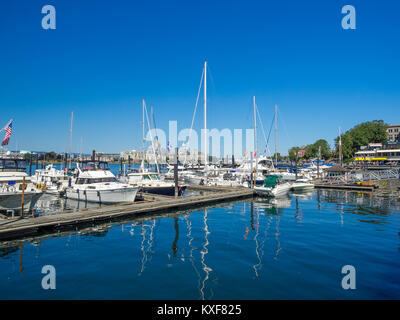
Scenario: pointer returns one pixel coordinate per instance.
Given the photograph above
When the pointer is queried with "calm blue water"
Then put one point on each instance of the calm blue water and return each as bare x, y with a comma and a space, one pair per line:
293, 248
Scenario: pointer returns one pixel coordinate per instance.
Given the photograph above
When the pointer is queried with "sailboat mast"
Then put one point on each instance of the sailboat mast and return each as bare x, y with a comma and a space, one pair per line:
143, 156
205, 116
255, 132
70, 139
276, 134
340, 147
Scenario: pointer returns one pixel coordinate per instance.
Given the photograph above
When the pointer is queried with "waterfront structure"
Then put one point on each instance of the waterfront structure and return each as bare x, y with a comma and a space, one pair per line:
393, 131
336, 172
378, 152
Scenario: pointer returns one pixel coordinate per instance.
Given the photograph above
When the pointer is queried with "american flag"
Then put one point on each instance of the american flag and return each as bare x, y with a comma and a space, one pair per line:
7, 129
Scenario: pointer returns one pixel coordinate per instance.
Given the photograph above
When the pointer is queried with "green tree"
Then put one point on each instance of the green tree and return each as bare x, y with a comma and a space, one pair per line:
292, 153
361, 135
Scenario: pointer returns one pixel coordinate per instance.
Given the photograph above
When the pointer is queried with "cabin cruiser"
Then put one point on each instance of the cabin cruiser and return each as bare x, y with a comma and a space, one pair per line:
95, 182
12, 174
274, 186
151, 182
50, 180
302, 184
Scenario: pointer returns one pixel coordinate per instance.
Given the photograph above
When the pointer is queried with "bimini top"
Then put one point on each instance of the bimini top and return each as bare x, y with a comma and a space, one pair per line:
271, 181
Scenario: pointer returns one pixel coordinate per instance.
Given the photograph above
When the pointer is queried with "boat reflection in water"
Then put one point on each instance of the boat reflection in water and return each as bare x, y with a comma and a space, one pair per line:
254, 249
53, 203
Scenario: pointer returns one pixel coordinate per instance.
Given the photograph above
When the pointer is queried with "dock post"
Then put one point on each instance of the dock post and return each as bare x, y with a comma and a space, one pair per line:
23, 196
176, 171
30, 164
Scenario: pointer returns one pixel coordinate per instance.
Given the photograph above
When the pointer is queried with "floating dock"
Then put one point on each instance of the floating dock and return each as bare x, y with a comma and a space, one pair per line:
13, 228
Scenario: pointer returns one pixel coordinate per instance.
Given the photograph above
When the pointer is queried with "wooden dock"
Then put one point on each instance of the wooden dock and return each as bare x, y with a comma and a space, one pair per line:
48, 222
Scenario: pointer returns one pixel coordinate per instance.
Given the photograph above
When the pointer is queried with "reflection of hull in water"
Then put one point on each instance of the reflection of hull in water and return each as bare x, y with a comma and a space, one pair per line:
279, 202
305, 193
71, 204
49, 202
12, 201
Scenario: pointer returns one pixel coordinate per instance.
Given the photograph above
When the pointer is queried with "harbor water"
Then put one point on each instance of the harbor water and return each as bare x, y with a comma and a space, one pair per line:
290, 248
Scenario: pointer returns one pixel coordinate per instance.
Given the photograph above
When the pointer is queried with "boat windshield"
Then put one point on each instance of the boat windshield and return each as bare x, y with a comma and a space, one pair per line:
94, 180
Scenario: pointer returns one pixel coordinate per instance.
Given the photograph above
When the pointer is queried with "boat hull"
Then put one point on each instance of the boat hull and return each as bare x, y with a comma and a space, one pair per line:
103, 196
12, 201
277, 191
164, 191
302, 186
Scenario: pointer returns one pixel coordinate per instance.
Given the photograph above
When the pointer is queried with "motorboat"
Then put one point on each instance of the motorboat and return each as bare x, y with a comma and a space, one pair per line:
302, 185
50, 180
273, 186
15, 184
95, 182
151, 182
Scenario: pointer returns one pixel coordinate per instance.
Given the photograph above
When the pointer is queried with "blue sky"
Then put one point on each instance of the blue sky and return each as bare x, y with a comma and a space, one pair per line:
105, 56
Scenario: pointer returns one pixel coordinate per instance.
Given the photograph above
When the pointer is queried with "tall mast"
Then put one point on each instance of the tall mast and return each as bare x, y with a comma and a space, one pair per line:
276, 134
205, 117
340, 147
255, 131
143, 156
70, 139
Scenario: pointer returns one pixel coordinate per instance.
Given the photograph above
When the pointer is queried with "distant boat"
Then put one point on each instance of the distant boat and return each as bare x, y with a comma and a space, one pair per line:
302, 185
96, 183
50, 180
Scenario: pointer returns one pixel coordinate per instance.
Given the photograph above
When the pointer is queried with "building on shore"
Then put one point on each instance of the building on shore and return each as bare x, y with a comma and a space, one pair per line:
393, 131
378, 153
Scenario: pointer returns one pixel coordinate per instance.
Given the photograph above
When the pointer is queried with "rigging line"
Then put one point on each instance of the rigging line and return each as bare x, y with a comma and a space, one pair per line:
263, 131
284, 126
194, 114
270, 129
151, 137
155, 128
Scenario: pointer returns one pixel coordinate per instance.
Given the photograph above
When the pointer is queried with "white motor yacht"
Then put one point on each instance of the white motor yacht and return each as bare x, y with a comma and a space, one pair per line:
12, 174
96, 183
302, 185
150, 182
273, 186
50, 180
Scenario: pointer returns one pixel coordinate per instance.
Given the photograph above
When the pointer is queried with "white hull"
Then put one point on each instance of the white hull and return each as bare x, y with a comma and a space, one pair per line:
302, 186
127, 194
12, 201
277, 191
